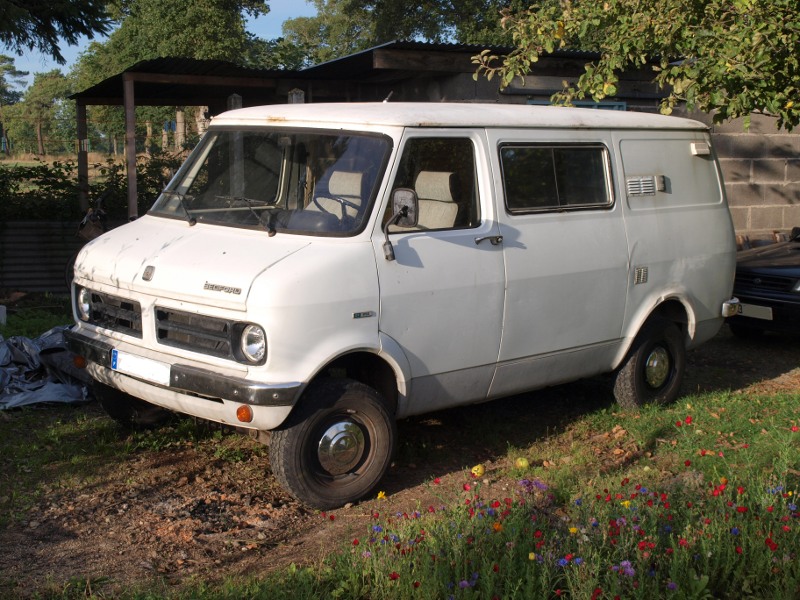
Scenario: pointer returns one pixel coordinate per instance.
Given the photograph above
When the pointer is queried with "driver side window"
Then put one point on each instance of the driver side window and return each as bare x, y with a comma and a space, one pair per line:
442, 173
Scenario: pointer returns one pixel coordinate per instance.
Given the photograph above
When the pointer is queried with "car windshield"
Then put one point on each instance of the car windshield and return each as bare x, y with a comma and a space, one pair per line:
310, 182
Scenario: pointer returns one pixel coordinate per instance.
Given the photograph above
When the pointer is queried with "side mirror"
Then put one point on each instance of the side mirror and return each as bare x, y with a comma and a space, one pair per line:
405, 204
405, 208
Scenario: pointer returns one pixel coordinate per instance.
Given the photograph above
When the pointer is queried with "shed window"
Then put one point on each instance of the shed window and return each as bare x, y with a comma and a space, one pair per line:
555, 177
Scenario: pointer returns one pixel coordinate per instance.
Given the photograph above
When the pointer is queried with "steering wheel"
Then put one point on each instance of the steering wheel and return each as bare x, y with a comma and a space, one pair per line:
342, 202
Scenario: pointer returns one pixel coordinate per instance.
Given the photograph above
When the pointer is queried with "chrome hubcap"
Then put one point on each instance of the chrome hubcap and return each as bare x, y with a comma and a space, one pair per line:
656, 369
341, 448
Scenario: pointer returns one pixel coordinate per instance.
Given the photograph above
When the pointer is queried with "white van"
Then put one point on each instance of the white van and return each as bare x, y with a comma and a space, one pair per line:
319, 271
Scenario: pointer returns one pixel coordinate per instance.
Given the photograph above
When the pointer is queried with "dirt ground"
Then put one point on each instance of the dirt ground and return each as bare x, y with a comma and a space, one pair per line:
179, 513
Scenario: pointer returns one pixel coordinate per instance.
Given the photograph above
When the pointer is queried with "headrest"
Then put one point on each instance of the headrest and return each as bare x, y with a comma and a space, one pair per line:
345, 183
436, 185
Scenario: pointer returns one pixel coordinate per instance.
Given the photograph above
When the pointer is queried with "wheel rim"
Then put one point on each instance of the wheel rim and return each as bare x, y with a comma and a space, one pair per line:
341, 447
657, 367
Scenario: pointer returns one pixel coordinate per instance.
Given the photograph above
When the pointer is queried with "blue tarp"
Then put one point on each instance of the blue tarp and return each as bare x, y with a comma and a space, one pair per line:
39, 370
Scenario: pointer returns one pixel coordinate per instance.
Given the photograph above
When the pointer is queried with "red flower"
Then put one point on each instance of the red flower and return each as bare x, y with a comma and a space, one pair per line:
597, 593
437, 481
467, 487
332, 517
795, 428
688, 420
496, 568
739, 550
416, 584
394, 575
770, 544
537, 534
688, 463
741, 509
355, 542
770, 508
678, 423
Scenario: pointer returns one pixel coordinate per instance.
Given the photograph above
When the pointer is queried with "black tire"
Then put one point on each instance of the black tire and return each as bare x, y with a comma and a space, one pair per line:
336, 445
128, 411
745, 332
653, 370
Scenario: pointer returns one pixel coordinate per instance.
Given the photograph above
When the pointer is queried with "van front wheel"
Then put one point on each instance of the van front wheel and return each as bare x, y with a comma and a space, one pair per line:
335, 446
653, 370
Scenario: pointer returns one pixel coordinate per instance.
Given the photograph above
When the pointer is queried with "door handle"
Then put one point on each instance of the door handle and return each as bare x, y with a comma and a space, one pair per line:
494, 239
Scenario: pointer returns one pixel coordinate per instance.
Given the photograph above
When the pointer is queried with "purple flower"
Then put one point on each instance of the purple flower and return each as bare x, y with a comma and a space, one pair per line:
672, 586
531, 486
735, 530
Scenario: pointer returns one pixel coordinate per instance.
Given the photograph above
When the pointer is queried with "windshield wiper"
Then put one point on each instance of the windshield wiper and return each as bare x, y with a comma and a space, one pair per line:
266, 225
182, 201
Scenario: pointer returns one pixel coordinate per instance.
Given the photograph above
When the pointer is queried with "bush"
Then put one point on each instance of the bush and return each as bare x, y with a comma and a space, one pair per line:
50, 191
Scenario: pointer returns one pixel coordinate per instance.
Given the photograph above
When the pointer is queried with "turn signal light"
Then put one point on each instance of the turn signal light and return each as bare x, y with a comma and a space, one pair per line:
79, 361
244, 413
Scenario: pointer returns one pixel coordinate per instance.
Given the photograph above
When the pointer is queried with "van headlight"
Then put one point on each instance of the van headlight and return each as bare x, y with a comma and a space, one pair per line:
253, 343
84, 302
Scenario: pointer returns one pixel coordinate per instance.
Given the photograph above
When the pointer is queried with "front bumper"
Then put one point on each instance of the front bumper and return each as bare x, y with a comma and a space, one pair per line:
186, 379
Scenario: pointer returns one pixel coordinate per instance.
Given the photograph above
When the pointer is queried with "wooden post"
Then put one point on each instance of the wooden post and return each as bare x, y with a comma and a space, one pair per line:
130, 145
83, 156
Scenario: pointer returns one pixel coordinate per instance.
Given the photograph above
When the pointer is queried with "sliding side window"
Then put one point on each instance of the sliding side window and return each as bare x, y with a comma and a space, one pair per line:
555, 177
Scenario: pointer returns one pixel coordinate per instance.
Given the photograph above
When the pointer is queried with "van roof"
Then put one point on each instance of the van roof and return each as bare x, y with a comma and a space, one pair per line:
449, 114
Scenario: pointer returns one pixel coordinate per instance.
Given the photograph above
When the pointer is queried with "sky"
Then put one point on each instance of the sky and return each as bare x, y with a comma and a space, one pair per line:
266, 27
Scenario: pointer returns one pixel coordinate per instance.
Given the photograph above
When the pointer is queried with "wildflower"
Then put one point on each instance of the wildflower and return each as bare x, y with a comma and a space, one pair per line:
394, 575
416, 584
563, 562
739, 550
332, 517
381, 495
688, 463
672, 586
366, 554
463, 584
467, 487
596, 593
578, 560
573, 530
531, 555
792, 507
771, 544
355, 542
735, 530
741, 509
437, 481
688, 420
626, 503
795, 428
497, 526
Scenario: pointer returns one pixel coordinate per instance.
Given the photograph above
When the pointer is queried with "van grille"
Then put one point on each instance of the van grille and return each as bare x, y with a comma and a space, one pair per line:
197, 333
116, 314
755, 281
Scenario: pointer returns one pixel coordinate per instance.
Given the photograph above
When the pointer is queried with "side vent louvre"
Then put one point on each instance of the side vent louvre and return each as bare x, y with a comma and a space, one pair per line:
645, 185
640, 275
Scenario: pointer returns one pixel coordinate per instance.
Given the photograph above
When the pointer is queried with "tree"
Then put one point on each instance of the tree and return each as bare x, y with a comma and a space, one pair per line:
41, 103
727, 57
40, 23
342, 27
9, 76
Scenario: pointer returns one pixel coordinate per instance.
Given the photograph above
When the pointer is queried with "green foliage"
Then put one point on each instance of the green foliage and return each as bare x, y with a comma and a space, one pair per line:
729, 58
46, 25
50, 191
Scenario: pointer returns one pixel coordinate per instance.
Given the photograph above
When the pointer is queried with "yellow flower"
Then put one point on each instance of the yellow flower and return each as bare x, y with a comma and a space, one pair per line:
497, 526
573, 530
626, 503
531, 555
381, 495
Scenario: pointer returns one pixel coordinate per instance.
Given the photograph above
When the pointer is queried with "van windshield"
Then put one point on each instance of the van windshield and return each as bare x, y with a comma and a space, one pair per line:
311, 182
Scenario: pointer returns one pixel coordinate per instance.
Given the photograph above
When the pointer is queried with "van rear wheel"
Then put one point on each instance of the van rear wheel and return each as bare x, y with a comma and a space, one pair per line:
653, 370
336, 445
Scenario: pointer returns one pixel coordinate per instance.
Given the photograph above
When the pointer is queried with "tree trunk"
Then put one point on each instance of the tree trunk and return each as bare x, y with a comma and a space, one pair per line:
180, 130
39, 138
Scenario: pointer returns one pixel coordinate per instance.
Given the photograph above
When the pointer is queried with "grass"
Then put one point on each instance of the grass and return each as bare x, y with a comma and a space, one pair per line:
696, 500
32, 316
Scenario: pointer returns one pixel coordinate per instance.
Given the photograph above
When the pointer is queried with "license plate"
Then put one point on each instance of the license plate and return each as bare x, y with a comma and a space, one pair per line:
138, 366
755, 312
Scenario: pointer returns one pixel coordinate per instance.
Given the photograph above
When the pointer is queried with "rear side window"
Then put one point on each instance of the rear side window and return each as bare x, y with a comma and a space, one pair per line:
540, 177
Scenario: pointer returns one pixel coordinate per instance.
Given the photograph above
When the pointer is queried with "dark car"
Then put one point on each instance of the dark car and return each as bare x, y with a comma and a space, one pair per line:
768, 286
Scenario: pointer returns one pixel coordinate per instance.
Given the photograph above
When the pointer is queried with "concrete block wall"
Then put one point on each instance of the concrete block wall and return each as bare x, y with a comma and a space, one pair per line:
761, 167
